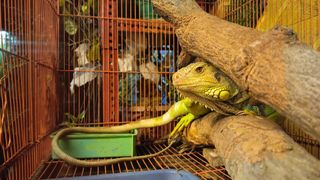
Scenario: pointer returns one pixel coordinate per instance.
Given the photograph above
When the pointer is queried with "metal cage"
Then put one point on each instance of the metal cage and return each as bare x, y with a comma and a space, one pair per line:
104, 63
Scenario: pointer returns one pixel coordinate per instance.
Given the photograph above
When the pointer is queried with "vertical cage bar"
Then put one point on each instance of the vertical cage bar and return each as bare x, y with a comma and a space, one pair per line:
109, 63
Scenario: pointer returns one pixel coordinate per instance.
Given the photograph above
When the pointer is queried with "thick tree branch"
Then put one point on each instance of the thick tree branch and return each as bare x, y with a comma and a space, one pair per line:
273, 67
254, 148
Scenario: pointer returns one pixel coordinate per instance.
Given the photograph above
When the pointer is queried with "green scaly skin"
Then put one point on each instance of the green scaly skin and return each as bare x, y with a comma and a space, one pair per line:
207, 85
204, 83
180, 108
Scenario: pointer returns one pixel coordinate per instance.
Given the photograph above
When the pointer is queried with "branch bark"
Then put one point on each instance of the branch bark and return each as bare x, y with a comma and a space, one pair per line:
273, 67
254, 148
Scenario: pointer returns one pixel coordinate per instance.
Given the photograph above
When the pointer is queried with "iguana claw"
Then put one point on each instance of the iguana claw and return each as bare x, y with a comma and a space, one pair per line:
184, 122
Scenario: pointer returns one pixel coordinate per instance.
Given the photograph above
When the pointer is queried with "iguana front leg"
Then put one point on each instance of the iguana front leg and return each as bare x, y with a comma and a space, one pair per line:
183, 122
194, 111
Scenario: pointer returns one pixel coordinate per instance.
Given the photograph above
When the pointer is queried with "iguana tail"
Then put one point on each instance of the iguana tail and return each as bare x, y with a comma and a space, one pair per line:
178, 109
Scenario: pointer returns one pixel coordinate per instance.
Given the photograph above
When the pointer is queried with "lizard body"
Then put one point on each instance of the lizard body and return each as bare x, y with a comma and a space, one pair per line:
205, 87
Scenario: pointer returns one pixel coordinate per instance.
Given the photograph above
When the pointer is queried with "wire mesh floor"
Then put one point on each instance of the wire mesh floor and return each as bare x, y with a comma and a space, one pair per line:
193, 162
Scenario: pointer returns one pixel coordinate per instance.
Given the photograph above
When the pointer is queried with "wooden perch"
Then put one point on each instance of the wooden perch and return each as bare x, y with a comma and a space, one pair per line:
254, 148
273, 67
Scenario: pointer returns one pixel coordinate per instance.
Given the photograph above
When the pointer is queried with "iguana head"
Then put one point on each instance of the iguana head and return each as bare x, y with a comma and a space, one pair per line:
203, 80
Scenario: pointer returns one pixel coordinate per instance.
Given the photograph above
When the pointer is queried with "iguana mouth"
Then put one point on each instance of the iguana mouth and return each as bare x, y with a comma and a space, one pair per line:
218, 106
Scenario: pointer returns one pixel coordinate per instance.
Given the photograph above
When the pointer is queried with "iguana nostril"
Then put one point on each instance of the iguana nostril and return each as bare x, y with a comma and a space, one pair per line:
175, 76
224, 95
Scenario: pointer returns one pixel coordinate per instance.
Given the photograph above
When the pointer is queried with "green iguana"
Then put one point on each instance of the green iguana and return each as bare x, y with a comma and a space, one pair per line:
208, 86
199, 82
185, 107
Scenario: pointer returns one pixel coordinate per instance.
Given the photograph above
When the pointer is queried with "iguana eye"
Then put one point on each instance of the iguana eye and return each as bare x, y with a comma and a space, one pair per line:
199, 69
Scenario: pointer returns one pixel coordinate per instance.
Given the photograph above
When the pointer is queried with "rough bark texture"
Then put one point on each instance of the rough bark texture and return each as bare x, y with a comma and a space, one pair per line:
273, 67
212, 157
254, 148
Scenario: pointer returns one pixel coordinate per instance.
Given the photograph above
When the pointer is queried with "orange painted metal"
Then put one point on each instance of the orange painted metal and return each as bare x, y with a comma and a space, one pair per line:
28, 90
109, 61
35, 93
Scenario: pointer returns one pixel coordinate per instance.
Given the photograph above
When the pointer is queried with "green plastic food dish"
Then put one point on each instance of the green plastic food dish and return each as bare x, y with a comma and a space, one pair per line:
80, 145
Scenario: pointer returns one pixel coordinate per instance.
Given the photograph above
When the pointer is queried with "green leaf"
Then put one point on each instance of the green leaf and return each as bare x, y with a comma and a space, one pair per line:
94, 52
85, 9
81, 115
62, 3
70, 26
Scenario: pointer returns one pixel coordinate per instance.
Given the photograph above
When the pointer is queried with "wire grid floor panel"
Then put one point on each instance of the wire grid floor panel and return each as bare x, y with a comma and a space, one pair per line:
192, 162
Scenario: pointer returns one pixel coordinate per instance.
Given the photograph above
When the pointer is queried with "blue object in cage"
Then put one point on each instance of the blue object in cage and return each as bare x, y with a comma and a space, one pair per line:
163, 83
168, 174
165, 54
